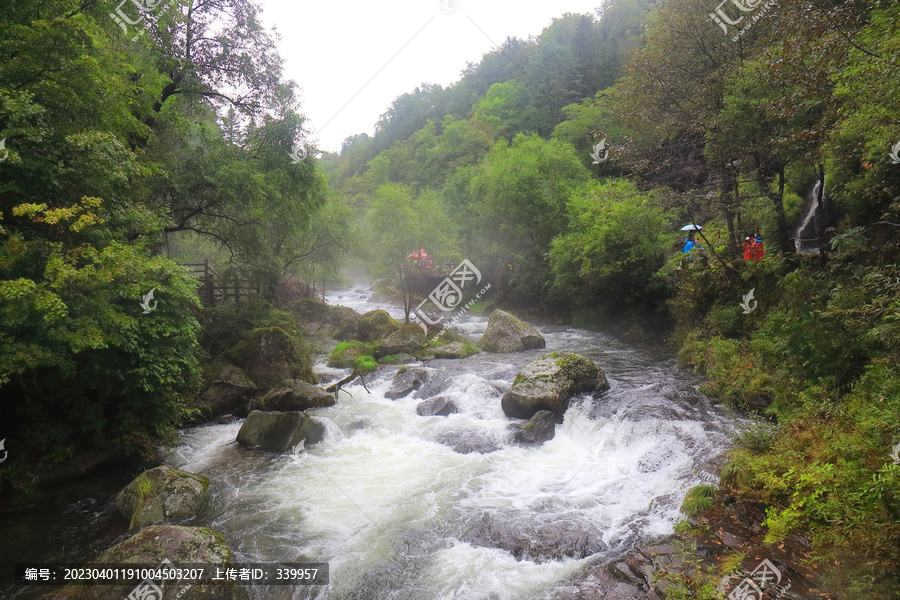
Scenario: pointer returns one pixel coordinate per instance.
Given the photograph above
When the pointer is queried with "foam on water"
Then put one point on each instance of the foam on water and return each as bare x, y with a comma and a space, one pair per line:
392, 507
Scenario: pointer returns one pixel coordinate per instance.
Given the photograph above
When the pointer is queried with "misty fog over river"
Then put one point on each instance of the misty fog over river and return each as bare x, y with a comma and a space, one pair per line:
399, 513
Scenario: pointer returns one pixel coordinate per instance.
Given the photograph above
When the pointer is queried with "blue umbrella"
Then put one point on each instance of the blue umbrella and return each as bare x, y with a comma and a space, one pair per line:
691, 227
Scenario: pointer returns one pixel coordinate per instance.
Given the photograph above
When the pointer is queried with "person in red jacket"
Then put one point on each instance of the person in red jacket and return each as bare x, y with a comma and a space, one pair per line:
757, 251
748, 248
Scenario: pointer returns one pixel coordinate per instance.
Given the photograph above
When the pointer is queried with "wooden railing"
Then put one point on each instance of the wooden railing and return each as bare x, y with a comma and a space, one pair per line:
215, 289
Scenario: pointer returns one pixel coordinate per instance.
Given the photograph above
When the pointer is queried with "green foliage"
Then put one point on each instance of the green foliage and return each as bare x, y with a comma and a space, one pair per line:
399, 223
612, 248
698, 499
365, 364
78, 355
347, 354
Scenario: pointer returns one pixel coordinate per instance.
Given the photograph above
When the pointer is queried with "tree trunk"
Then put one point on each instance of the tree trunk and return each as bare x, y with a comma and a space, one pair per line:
784, 241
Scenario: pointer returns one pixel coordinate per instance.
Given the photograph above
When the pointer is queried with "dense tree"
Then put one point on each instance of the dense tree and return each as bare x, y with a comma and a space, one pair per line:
400, 223
521, 193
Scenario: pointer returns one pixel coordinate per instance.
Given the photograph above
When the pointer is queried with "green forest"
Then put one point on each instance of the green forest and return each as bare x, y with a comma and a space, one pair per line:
563, 166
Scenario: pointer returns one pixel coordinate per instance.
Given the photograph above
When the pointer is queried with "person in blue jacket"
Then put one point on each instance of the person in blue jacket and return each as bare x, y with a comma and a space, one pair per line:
689, 244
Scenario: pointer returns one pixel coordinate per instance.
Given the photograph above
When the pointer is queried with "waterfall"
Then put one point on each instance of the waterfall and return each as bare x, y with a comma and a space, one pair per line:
806, 237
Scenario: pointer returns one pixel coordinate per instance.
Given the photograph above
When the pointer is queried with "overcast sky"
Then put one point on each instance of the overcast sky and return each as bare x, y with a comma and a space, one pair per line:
332, 49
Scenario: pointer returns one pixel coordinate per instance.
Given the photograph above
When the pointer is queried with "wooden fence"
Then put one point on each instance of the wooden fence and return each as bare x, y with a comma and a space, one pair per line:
216, 289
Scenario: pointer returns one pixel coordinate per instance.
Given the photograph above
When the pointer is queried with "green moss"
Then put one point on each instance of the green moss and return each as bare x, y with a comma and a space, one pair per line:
365, 364
469, 349
346, 354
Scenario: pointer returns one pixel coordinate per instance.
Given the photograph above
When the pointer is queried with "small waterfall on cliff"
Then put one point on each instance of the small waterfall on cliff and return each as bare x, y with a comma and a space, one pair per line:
806, 237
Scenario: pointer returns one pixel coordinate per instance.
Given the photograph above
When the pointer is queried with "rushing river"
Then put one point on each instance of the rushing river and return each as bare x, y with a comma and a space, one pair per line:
399, 514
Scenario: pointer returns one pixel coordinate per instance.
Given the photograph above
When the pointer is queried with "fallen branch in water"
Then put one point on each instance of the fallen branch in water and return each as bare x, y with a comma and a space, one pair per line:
335, 388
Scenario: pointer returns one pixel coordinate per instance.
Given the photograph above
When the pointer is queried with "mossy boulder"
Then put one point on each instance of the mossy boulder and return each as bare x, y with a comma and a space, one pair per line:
537, 430
318, 317
407, 339
231, 389
345, 322
312, 313
279, 431
268, 355
161, 494
345, 354
549, 382
152, 546
506, 333
455, 350
294, 395
375, 325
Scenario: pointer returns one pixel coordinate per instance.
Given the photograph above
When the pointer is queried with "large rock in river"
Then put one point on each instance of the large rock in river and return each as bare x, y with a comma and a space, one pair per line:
294, 395
268, 355
406, 340
439, 406
161, 494
548, 382
537, 430
424, 382
375, 325
505, 333
153, 545
231, 389
279, 431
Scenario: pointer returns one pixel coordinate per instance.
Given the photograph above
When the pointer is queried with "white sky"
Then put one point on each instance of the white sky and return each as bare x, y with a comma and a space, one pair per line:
333, 48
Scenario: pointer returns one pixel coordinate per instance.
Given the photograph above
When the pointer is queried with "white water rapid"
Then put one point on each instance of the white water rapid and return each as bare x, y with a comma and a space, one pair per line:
389, 504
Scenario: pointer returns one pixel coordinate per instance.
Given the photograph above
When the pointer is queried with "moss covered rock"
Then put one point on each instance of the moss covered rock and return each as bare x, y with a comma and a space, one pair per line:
268, 355
228, 391
165, 546
279, 431
549, 382
345, 354
318, 317
537, 430
506, 333
161, 494
375, 325
407, 339
293, 395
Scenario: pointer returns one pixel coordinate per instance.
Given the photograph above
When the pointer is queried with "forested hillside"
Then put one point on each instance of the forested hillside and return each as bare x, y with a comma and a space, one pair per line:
565, 166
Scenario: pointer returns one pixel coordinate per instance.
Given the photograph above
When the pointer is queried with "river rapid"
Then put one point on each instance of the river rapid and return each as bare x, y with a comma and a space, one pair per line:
404, 507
